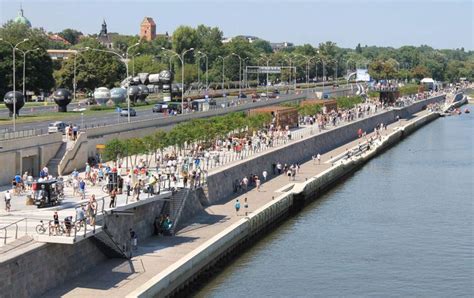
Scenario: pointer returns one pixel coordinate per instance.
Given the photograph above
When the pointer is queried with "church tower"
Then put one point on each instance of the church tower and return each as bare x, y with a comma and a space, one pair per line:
148, 29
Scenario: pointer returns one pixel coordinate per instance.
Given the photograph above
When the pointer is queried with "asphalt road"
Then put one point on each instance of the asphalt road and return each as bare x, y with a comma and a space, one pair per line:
106, 117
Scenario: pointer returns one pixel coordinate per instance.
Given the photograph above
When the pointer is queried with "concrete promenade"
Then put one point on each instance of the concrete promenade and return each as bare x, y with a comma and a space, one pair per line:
118, 278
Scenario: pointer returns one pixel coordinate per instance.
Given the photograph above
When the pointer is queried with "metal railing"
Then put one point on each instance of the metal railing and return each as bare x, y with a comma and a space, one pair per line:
16, 225
21, 134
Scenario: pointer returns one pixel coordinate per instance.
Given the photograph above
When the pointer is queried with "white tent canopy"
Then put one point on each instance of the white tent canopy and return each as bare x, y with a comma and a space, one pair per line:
427, 80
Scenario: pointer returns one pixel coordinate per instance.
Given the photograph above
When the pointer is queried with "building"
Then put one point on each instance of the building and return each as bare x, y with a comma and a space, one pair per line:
21, 19
148, 29
277, 46
60, 54
105, 38
249, 38
281, 116
58, 39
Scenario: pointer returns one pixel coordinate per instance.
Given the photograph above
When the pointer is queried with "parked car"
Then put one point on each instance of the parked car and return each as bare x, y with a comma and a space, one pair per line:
272, 95
255, 96
160, 107
242, 95
125, 112
57, 126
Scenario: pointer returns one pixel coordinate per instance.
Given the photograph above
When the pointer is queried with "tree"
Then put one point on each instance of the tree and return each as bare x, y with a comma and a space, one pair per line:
71, 35
420, 72
39, 65
184, 38
358, 49
262, 46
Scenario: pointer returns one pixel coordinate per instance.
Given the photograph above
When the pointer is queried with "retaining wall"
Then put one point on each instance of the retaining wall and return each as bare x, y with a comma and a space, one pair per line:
183, 272
42, 148
220, 183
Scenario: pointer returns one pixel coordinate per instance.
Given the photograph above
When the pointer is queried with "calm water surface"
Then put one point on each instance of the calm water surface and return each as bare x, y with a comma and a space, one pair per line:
400, 226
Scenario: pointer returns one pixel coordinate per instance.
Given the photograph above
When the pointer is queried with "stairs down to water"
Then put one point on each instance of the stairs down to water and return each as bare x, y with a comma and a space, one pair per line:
104, 241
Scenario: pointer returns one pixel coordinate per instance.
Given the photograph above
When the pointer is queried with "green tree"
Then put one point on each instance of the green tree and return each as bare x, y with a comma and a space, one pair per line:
71, 35
184, 38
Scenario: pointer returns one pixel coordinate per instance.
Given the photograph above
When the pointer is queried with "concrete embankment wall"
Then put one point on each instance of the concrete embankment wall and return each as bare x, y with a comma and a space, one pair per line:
182, 273
220, 183
31, 270
27, 154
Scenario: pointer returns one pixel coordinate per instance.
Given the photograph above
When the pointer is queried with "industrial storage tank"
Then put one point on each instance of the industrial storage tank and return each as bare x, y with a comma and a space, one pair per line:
101, 95
12, 97
118, 95
62, 97
133, 93
142, 95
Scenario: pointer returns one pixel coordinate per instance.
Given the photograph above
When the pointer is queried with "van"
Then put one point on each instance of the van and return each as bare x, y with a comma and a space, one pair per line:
57, 126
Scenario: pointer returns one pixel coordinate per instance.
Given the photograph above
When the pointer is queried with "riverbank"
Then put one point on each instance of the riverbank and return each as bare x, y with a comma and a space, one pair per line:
166, 264
312, 181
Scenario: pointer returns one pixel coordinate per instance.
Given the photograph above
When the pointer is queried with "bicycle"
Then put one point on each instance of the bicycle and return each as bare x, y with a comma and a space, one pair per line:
40, 228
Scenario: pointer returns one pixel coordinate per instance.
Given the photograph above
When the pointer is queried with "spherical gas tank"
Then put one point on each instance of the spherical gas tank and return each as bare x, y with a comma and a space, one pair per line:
133, 92
166, 76
143, 92
118, 95
16, 97
62, 97
101, 95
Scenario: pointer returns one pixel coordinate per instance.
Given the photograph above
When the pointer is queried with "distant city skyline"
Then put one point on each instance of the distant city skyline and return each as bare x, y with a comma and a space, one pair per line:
440, 24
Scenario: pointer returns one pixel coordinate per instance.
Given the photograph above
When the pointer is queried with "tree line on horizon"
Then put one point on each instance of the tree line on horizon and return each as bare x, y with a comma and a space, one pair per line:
97, 69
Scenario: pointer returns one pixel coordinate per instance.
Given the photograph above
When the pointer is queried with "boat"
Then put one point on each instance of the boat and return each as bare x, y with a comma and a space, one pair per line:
466, 111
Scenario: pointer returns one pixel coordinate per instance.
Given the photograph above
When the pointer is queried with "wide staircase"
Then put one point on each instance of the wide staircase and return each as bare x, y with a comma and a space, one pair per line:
54, 162
105, 242
176, 207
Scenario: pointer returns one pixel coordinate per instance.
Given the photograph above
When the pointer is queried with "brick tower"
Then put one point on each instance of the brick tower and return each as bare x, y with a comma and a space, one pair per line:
148, 29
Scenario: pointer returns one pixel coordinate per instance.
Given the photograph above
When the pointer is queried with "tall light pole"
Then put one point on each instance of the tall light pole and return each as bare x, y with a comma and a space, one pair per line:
74, 85
14, 48
133, 63
324, 70
246, 81
124, 61
240, 73
24, 68
220, 57
266, 83
181, 58
207, 69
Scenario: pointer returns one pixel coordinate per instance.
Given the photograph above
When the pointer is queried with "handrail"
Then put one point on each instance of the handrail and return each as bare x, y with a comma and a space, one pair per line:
16, 229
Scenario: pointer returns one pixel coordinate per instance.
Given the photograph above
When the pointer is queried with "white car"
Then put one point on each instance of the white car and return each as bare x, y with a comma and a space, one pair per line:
57, 126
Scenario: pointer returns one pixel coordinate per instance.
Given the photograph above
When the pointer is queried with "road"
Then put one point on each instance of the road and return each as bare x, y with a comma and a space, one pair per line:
111, 117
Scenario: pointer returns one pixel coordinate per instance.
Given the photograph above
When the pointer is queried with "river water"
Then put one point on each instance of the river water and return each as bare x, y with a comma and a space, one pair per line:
400, 226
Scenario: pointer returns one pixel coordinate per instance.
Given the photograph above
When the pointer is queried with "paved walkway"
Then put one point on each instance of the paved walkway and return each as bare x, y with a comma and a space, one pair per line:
117, 278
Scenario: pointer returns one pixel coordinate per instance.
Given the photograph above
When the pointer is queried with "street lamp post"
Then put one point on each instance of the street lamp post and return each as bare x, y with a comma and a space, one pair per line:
246, 81
124, 61
207, 69
240, 73
181, 58
74, 85
133, 63
222, 88
24, 63
14, 48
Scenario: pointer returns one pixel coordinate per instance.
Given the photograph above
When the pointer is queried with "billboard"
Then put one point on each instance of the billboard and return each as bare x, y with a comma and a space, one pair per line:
269, 69
362, 75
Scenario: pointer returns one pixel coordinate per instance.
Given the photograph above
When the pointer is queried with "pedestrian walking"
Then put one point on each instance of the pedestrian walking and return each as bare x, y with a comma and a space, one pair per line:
8, 198
82, 188
113, 198
279, 168
246, 206
133, 239
92, 210
237, 206
319, 158
257, 183
264, 175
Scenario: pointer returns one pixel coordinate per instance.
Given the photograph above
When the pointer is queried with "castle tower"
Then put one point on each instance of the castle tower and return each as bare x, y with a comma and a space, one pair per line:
148, 29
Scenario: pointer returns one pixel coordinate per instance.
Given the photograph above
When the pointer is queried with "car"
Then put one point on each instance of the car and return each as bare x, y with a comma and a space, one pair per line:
276, 91
160, 107
242, 95
57, 126
255, 96
272, 95
125, 112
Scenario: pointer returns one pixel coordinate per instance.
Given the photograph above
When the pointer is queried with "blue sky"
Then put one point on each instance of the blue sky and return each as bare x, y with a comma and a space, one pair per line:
441, 24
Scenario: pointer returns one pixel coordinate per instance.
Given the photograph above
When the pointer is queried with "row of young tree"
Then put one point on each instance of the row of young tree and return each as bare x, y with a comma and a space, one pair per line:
95, 69
200, 132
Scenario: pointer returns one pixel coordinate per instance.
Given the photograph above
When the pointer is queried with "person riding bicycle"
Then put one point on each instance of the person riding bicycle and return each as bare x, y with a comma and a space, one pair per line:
68, 224
81, 215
